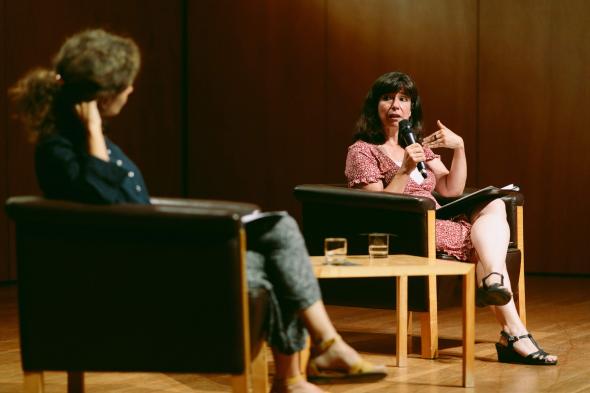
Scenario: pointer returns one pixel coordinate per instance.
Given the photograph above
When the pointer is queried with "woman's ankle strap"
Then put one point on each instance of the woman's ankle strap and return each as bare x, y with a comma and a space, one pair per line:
513, 339
323, 346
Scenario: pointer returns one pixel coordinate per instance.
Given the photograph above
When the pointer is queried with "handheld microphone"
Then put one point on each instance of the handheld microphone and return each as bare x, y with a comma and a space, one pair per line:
408, 137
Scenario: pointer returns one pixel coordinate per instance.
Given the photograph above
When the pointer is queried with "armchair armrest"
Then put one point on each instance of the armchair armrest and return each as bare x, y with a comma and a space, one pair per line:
191, 217
208, 204
326, 193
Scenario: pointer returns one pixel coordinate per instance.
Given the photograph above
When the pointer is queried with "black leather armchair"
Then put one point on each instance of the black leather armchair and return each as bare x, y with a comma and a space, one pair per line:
136, 288
337, 211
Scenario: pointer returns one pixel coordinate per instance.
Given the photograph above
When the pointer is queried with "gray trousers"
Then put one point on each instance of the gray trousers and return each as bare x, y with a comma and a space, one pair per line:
277, 260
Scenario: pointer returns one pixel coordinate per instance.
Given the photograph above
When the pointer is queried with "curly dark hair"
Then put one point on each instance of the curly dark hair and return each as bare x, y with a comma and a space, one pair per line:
91, 64
369, 127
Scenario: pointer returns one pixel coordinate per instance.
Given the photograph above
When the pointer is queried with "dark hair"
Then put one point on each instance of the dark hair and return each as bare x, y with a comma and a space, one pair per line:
91, 64
369, 127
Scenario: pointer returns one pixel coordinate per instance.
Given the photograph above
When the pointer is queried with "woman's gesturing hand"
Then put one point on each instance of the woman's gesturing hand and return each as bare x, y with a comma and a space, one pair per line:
90, 116
443, 137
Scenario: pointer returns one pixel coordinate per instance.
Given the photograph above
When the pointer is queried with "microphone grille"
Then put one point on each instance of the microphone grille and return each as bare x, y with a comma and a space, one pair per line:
405, 126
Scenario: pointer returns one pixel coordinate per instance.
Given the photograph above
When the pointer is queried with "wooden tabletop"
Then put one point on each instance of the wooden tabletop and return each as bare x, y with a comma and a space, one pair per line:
392, 266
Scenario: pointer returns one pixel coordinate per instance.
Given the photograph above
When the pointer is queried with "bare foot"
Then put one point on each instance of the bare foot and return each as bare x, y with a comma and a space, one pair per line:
300, 386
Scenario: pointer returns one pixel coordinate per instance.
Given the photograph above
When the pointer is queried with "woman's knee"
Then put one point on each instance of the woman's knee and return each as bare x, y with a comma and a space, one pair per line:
288, 228
497, 208
288, 223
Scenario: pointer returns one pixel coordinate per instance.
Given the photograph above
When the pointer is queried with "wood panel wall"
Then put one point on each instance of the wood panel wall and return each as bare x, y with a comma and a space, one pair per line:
149, 129
432, 41
534, 95
273, 90
274, 97
5, 265
256, 99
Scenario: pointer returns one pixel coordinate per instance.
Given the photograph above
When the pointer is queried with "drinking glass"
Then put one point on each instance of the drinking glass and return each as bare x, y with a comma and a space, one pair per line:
378, 245
335, 250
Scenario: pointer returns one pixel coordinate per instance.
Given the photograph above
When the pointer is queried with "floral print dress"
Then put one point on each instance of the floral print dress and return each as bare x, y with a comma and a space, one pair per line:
366, 163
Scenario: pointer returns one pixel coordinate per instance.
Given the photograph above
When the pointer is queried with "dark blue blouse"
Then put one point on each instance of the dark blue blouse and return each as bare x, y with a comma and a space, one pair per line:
65, 170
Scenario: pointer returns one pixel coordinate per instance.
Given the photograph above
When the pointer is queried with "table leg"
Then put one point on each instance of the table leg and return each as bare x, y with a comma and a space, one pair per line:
401, 337
468, 328
75, 382
33, 382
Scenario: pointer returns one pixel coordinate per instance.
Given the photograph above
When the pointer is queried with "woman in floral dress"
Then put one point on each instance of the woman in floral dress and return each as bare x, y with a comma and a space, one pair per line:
378, 162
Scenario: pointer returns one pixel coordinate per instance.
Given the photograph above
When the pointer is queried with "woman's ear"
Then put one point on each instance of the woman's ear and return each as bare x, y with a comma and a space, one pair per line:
103, 102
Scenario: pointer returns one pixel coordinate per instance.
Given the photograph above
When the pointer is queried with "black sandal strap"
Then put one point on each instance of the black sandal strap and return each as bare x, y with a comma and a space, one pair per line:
530, 337
539, 355
483, 281
510, 339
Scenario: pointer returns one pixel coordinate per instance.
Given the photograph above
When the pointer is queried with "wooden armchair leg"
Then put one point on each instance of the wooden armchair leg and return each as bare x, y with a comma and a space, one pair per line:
260, 372
521, 304
520, 242
521, 301
429, 325
75, 382
33, 382
240, 383
410, 330
429, 336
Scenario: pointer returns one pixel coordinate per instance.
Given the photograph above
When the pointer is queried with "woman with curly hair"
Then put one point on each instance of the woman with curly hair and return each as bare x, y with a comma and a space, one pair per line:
64, 108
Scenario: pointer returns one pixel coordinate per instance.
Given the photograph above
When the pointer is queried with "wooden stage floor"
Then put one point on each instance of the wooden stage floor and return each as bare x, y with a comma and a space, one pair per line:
558, 311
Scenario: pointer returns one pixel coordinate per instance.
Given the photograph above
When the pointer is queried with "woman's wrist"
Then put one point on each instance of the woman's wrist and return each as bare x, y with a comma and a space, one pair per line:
94, 130
404, 171
398, 182
97, 145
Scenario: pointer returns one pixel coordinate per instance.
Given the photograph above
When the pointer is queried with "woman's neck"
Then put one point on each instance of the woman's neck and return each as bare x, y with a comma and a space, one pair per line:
391, 134
392, 149
392, 137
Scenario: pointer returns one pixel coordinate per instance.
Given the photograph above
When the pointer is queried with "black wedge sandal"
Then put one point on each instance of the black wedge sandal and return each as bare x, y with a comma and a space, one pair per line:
507, 353
492, 295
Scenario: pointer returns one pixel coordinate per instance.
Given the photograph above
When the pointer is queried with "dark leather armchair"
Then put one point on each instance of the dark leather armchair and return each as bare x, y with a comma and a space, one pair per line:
136, 288
337, 211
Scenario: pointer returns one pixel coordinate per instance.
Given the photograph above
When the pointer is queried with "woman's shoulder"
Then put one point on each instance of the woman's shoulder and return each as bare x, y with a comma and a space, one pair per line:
53, 138
52, 142
362, 147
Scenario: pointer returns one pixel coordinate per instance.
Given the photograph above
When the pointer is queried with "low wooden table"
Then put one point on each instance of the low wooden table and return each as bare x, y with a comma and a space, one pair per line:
401, 267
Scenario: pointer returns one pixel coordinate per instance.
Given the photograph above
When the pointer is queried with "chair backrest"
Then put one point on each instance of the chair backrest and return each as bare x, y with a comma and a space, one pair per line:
337, 211
129, 287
